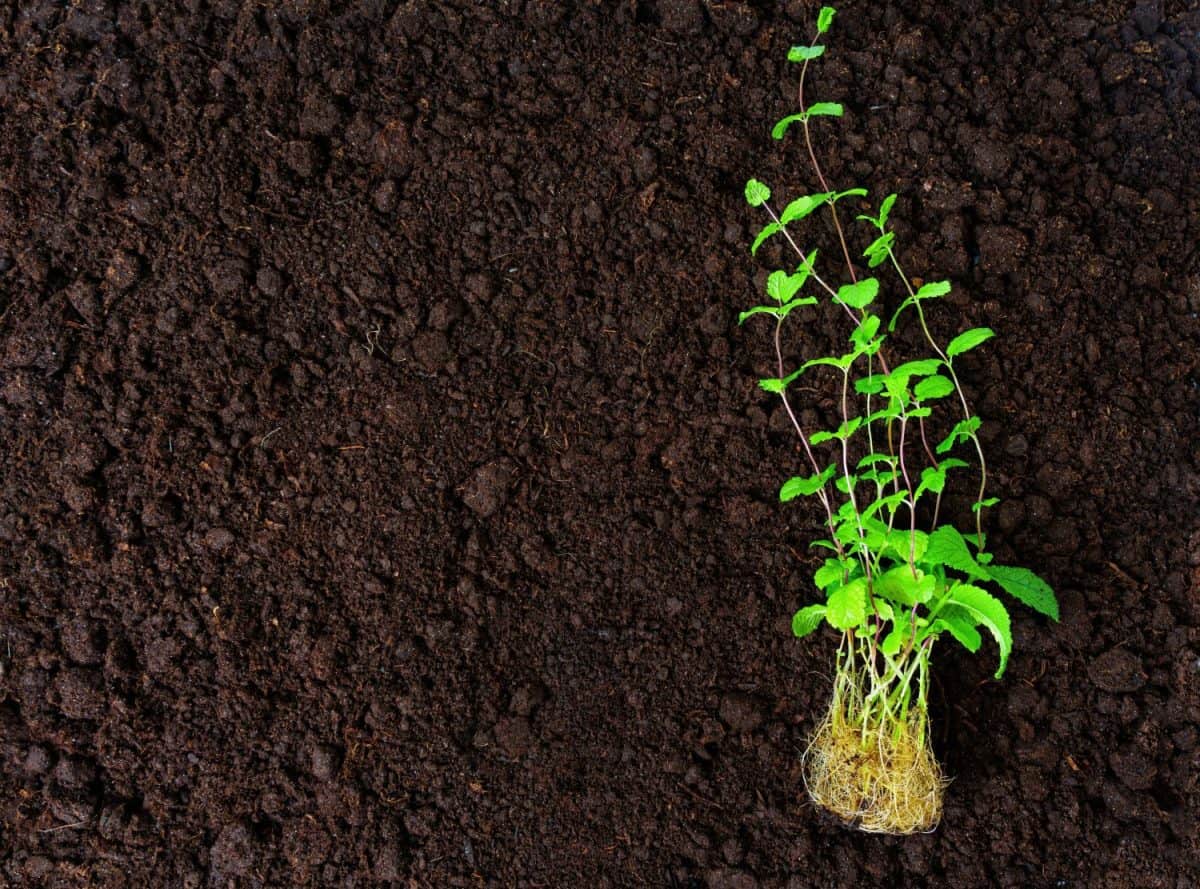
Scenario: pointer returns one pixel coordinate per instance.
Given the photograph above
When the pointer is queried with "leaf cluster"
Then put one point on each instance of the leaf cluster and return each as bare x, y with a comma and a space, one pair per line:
887, 580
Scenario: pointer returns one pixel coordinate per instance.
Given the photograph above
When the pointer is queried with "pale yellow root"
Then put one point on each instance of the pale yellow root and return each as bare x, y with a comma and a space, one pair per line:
881, 784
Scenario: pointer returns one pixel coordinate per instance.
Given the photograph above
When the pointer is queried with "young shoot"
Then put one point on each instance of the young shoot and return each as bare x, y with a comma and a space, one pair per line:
897, 576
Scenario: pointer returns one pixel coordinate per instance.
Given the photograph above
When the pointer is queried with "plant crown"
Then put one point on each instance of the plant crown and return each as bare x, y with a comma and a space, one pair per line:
890, 587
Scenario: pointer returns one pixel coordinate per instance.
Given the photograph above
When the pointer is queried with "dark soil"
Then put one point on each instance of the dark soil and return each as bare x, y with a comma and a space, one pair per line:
387, 498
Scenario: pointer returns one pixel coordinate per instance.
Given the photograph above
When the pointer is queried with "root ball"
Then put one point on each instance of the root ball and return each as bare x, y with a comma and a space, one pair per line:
881, 778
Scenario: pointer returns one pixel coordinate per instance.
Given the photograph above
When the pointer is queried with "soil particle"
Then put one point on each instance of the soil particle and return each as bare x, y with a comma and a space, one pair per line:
741, 712
122, 270
268, 280
80, 693
37, 760
319, 116
431, 349
1135, 769
325, 762
726, 878
1147, 17
1118, 670
231, 854
488, 488
514, 736
218, 539
1001, 248
82, 641
682, 17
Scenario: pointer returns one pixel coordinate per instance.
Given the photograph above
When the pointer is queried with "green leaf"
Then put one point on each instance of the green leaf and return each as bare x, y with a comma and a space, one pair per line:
885, 208
850, 193
870, 385
807, 619
892, 411
960, 624
803, 486
756, 193
897, 381
802, 207
899, 585
901, 540
780, 312
895, 640
984, 504
825, 18
781, 286
932, 290
1026, 587
825, 109
882, 479
828, 574
840, 363
876, 459
757, 310
786, 308
948, 547
890, 502
769, 230
847, 605
860, 295
805, 53
988, 611
934, 478
931, 480
968, 340
866, 330
962, 430
933, 387
922, 367
774, 384
848, 428
781, 126
844, 485
877, 251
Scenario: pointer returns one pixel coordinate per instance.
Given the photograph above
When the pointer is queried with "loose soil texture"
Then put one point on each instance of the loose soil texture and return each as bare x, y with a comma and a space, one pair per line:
387, 498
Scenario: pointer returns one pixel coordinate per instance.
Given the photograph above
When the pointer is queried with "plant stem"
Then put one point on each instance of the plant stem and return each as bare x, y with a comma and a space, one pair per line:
962, 397
812, 156
804, 441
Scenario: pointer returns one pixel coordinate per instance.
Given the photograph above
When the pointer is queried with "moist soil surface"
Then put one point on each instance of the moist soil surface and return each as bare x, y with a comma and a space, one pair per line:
388, 500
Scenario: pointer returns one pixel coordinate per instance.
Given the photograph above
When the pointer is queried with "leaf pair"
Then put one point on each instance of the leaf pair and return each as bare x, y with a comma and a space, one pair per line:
817, 109
948, 547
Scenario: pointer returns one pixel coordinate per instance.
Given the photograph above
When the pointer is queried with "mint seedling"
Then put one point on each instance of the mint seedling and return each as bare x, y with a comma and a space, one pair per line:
897, 578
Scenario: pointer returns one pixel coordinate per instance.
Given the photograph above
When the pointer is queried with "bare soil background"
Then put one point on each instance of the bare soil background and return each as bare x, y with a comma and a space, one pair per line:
387, 499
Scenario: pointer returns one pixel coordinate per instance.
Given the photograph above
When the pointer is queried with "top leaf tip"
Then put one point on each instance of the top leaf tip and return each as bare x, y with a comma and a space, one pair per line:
756, 193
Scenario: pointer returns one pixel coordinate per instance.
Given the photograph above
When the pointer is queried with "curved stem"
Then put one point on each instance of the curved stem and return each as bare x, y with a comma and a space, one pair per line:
812, 156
